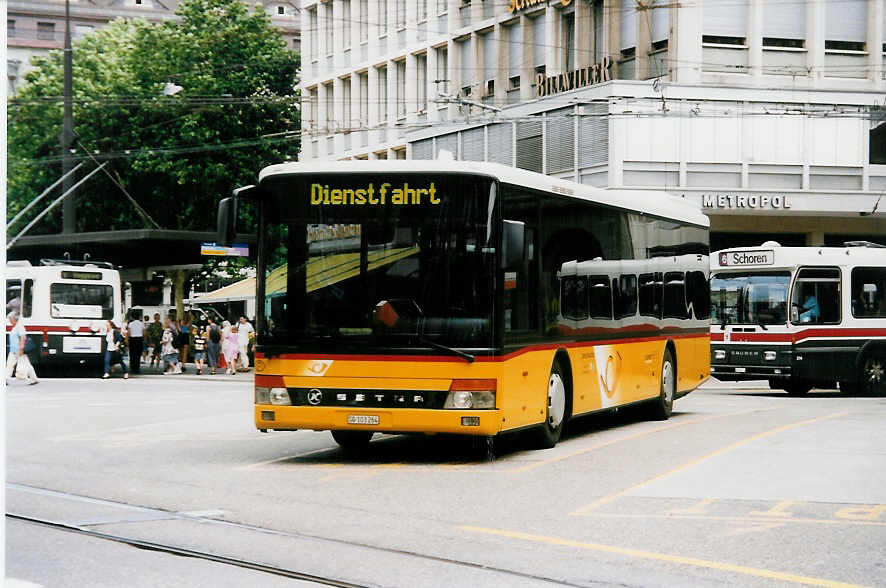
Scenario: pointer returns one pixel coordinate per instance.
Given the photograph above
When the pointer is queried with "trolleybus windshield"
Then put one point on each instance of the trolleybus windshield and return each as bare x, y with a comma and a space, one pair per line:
356, 262
750, 298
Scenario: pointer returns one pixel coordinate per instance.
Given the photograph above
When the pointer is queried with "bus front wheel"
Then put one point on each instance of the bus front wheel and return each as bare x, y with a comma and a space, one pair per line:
556, 405
873, 373
662, 406
797, 388
352, 440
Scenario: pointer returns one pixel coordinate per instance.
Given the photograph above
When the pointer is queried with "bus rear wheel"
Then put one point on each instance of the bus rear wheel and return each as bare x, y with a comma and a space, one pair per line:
873, 374
352, 440
661, 407
556, 409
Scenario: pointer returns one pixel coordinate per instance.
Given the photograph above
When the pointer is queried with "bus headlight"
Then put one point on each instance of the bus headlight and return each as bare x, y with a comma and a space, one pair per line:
278, 396
769, 355
471, 394
719, 354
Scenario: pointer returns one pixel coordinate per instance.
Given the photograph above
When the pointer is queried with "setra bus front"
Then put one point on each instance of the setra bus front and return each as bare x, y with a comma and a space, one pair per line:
750, 336
376, 302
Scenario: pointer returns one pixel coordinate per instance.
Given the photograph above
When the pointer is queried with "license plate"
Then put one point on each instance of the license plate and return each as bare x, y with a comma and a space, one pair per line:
362, 419
82, 344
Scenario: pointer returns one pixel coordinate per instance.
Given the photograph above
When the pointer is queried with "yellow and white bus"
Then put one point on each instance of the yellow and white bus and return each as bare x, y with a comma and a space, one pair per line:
428, 297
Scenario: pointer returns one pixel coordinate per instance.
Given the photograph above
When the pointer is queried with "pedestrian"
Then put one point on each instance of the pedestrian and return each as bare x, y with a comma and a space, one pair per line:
230, 347
146, 320
245, 333
184, 340
199, 350
114, 350
155, 334
169, 352
213, 344
17, 360
135, 342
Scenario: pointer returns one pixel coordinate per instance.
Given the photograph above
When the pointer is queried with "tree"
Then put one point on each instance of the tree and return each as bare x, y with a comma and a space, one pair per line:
175, 155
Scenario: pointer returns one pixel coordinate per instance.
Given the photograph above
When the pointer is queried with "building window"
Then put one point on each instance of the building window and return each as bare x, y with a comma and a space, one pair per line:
81, 31
401, 89
844, 46
490, 87
382, 18
442, 72
346, 23
514, 83
422, 10
720, 40
364, 99
281, 10
569, 41
330, 109
330, 24
364, 21
46, 31
312, 110
442, 6
346, 104
400, 153
382, 94
10, 28
877, 148
313, 34
421, 80
660, 45
401, 14
778, 43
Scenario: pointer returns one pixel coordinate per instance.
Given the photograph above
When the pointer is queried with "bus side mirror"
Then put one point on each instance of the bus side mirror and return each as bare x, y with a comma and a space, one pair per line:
513, 239
227, 221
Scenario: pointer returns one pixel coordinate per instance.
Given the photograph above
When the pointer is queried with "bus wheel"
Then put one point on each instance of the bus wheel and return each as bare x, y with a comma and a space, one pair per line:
873, 374
555, 411
662, 406
777, 383
797, 388
352, 440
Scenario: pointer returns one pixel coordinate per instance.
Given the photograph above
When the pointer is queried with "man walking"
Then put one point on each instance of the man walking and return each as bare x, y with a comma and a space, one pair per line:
17, 341
244, 334
135, 341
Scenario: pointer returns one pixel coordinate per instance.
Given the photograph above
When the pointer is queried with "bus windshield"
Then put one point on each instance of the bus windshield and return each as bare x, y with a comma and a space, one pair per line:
750, 298
358, 262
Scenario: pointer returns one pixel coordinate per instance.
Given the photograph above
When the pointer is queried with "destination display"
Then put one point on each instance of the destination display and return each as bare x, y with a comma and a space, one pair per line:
373, 194
734, 258
75, 275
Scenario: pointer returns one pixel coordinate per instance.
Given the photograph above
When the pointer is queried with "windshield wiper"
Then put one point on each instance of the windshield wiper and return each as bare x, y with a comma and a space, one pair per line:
452, 350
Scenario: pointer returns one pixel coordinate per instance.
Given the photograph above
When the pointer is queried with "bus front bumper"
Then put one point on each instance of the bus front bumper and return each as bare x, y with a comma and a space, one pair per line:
383, 420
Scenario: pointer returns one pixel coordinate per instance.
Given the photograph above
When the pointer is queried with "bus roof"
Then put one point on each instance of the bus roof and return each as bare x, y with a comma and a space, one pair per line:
656, 203
769, 256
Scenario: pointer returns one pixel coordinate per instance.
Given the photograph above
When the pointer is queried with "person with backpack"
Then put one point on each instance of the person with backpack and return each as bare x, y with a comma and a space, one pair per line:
213, 344
114, 350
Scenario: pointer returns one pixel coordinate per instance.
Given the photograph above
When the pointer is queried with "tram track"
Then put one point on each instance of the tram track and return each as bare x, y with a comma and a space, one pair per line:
168, 548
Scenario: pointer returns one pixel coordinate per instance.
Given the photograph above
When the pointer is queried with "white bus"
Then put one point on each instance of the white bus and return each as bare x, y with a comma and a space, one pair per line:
63, 305
800, 317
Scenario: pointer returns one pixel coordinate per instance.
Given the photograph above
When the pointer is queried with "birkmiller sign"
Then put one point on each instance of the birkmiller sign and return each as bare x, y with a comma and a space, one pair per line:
577, 78
518, 5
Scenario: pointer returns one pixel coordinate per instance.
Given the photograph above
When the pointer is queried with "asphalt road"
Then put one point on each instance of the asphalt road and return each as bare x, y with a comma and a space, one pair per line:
111, 483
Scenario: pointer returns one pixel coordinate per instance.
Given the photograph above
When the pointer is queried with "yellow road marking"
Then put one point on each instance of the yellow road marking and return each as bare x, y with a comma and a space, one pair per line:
741, 519
633, 436
779, 510
697, 508
691, 561
698, 460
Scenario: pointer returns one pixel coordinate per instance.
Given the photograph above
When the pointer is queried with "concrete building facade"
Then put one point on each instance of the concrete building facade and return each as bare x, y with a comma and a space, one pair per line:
768, 115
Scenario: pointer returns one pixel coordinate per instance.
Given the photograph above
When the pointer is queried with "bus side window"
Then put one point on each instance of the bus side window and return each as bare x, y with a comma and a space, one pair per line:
675, 295
574, 298
13, 295
601, 298
650, 294
698, 294
625, 296
28, 298
816, 297
869, 292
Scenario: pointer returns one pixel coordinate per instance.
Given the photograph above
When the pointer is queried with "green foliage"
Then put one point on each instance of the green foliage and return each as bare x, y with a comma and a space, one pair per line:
175, 155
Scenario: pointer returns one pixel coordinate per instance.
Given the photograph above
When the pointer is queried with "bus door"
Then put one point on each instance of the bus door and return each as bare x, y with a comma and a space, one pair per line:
816, 303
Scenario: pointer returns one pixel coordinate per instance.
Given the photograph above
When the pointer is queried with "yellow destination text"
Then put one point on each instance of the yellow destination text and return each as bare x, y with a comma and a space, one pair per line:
373, 195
